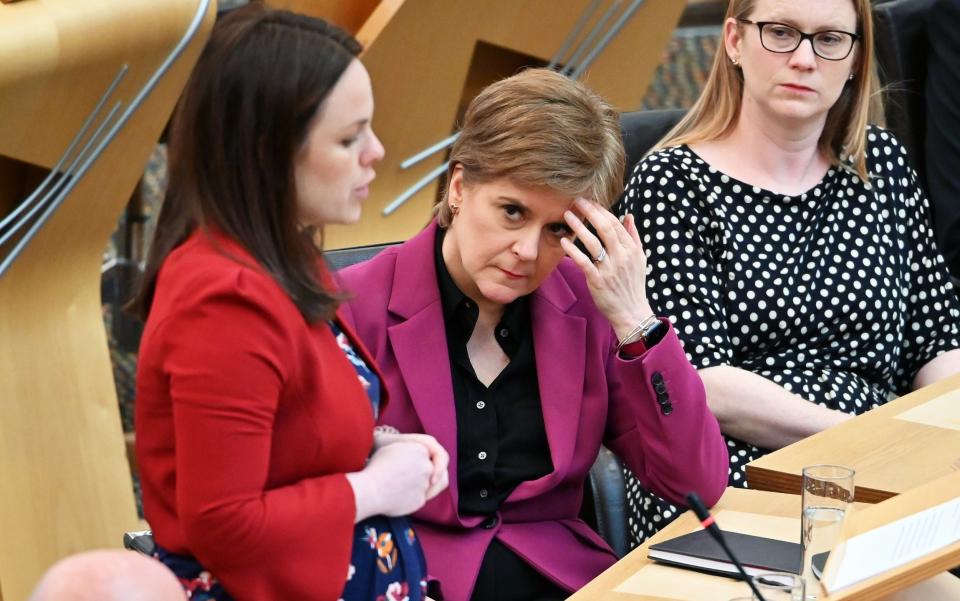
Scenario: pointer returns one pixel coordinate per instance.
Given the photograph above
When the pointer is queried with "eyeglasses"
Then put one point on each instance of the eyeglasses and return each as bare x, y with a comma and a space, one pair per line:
782, 38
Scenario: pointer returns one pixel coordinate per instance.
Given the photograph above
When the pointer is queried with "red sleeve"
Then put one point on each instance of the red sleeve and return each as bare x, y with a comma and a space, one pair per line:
231, 356
634, 349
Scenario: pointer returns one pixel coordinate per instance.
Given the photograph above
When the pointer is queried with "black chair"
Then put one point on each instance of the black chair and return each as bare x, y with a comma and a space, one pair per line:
345, 257
901, 50
642, 129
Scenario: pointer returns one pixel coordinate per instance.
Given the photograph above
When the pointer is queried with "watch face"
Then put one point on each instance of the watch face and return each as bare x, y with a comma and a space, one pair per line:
654, 333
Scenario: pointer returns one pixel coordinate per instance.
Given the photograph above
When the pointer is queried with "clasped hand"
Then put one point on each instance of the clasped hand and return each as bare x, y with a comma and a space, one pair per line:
617, 281
404, 472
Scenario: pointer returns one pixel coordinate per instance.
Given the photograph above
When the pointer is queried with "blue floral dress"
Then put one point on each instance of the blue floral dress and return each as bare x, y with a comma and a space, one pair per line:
387, 562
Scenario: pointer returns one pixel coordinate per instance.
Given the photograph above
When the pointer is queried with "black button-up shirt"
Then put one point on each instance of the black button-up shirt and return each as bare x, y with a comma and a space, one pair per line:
501, 439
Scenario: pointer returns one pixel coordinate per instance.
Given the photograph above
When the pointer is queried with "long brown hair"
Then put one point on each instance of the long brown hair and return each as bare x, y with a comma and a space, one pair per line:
245, 112
844, 136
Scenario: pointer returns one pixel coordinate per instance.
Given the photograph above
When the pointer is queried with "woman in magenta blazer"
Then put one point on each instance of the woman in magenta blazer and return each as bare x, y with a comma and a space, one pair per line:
263, 478
522, 354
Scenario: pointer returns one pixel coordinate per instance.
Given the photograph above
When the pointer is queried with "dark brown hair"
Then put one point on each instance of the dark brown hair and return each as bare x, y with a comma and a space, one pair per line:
245, 112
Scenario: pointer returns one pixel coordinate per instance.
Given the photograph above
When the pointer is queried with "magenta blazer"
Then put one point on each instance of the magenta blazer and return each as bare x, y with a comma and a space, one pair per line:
589, 396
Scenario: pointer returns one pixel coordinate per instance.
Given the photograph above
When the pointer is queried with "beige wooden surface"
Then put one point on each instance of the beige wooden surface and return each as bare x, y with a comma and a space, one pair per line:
907, 503
889, 454
428, 58
64, 481
678, 584
347, 14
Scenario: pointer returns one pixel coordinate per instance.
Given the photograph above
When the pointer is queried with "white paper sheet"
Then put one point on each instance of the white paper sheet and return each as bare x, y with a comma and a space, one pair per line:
897, 543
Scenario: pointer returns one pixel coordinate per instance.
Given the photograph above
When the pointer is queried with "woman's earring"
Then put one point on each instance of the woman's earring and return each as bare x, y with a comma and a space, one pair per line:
454, 209
851, 77
734, 61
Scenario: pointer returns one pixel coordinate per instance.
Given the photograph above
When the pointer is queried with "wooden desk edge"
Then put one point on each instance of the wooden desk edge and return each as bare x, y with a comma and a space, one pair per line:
760, 478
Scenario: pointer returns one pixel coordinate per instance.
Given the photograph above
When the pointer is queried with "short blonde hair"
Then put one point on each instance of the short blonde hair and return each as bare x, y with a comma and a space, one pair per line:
540, 129
844, 136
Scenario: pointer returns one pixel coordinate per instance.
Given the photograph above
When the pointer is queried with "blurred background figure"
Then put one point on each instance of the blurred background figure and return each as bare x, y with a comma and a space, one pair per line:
108, 575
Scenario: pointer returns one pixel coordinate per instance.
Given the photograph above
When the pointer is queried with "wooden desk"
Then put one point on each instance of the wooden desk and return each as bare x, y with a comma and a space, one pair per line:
889, 453
638, 574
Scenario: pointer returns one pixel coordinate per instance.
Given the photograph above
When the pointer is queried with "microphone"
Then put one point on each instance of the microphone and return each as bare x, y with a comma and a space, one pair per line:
708, 523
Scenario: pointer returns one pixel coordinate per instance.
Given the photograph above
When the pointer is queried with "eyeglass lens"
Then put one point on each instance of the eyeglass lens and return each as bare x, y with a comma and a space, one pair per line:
833, 45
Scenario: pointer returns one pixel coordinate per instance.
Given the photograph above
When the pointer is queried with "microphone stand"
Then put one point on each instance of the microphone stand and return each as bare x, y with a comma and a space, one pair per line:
710, 525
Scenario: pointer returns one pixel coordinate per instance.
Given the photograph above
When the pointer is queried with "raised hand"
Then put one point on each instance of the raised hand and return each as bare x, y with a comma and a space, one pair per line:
617, 270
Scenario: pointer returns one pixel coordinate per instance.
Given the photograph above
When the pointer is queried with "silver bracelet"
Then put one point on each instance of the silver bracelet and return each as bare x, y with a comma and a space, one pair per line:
640, 330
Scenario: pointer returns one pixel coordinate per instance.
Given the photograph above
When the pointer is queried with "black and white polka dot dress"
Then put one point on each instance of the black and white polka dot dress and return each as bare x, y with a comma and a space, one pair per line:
838, 295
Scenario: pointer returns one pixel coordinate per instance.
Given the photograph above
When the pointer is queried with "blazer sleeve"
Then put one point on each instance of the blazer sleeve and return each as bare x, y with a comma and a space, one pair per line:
659, 423
229, 355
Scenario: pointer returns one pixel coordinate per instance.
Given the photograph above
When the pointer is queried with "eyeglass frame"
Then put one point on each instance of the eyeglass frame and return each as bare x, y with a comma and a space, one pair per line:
855, 37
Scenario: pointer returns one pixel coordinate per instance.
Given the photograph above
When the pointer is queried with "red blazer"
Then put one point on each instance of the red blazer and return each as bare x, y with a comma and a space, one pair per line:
247, 419
589, 396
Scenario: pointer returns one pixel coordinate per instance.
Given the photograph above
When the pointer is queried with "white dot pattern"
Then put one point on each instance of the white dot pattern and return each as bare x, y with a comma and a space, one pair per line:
838, 294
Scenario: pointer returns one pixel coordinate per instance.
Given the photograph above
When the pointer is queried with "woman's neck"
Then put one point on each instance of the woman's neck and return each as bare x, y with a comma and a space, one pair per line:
776, 155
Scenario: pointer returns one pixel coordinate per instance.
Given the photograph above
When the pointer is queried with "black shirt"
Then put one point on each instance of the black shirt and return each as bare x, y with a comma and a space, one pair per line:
501, 439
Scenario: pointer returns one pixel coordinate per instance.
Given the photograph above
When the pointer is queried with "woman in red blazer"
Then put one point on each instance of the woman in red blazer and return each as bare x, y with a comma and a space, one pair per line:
263, 478
522, 354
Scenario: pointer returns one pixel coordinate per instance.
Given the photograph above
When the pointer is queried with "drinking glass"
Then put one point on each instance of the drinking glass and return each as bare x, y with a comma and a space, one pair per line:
827, 495
776, 586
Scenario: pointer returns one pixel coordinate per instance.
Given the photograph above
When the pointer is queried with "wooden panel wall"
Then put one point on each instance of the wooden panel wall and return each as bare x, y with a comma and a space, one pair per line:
423, 60
64, 481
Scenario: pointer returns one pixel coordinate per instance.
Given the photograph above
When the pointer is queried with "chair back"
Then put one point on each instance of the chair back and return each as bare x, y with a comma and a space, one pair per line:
642, 130
901, 50
345, 257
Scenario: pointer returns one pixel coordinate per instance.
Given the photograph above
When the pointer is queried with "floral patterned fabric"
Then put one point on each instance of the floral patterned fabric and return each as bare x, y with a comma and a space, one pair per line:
387, 562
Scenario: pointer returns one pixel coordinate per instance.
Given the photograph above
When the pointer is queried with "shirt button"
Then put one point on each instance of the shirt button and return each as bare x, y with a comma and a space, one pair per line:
481, 404
504, 332
482, 455
483, 493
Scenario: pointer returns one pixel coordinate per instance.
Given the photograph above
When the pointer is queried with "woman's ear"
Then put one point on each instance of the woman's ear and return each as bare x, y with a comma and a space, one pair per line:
732, 40
857, 57
455, 189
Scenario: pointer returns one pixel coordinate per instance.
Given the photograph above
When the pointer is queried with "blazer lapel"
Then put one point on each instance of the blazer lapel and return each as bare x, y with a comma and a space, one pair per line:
419, 343
559, 347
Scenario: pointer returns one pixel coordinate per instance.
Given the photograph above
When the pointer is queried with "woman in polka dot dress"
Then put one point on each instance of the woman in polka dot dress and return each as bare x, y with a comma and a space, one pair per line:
789, 239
